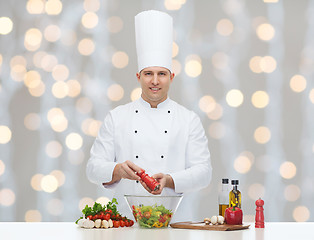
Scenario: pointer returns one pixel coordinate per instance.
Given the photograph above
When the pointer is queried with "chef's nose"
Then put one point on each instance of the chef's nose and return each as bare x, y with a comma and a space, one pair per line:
155, 79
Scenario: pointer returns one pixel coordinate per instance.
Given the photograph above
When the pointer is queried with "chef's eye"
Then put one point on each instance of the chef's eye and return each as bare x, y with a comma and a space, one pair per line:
148, 74
162, 73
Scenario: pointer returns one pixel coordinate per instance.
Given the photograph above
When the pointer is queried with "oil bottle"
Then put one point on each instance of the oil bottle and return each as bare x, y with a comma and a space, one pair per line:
235, 195
223, 197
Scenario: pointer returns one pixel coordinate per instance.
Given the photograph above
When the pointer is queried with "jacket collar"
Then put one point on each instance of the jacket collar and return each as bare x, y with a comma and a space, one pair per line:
163, 104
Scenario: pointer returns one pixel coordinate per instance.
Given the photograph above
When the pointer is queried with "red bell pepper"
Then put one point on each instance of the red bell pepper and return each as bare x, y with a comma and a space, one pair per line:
233, 216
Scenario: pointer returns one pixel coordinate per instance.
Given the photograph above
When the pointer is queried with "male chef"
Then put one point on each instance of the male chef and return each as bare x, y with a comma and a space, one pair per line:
153, 133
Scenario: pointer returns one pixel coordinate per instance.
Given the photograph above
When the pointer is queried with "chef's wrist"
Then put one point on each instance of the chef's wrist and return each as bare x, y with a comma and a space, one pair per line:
115, 175
169, 182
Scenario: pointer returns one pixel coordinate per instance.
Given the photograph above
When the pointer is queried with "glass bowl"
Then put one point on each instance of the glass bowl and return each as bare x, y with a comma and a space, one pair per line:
153, 211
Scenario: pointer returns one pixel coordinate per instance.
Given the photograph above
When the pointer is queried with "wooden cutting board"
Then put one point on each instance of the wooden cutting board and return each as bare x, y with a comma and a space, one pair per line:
202, 226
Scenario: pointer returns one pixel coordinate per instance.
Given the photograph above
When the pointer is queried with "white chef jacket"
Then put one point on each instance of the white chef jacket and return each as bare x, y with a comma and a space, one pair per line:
169, 139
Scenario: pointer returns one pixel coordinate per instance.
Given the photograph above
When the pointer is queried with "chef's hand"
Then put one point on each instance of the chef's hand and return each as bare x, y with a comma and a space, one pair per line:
125, 170
165, 180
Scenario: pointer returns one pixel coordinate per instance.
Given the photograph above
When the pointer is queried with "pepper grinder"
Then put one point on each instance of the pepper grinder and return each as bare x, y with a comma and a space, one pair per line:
151, 183
259, 217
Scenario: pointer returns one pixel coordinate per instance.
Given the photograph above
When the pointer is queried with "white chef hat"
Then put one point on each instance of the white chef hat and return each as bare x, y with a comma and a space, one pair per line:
153, 33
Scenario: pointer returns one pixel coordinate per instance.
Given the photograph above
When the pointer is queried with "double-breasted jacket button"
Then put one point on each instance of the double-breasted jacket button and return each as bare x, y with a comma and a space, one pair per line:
166, 131
136, 156
168, 111
136, 181
136, 111
135, 131
162, 156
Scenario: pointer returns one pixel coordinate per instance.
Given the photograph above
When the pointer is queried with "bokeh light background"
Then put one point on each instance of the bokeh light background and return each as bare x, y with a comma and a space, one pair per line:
245, 67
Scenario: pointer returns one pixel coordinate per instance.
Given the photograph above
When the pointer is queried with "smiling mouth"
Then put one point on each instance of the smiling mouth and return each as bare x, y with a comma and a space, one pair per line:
154, 89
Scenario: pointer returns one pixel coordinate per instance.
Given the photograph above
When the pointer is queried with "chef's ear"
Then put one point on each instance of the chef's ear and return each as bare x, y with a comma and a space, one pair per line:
171, 76
138, 75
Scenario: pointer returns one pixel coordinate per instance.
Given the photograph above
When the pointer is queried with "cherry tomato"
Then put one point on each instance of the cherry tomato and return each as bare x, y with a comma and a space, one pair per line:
116, 224
107, 216
146, 215
108, 211
101, 215
96, 217
122, 224
126, 223
90, 217
131, 223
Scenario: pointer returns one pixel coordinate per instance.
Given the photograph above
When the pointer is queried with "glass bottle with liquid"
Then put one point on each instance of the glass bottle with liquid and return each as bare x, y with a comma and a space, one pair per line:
235, 195
223, 197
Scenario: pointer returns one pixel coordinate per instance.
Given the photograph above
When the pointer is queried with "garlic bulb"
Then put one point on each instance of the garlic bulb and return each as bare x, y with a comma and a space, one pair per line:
88, 223
80, 222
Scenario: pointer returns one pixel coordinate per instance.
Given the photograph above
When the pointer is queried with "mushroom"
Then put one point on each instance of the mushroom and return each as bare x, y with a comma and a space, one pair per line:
110, 223
207, 221
98, 223
105, 224
214, 220
221, 220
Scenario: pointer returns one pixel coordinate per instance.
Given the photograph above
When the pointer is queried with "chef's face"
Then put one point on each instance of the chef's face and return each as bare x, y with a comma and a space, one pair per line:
155, 83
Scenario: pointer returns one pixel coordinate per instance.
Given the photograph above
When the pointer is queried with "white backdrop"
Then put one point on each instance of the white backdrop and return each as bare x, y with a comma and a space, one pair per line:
245, 67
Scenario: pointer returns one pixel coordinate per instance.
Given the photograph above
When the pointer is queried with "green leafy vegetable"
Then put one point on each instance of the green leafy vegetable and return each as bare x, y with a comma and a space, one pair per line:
111, 205
87, 211
97, 208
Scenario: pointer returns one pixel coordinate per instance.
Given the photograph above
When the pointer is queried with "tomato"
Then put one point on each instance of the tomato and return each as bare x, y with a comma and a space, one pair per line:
163, 218
101, 215
126, 223
131, 223
122, 224
96, 217
146, 215
106, 217
108, 211
90, 217
116, 224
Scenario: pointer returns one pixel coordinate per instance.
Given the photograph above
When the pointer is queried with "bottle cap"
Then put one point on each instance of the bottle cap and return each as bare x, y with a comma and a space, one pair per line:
235, 182
225, 181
